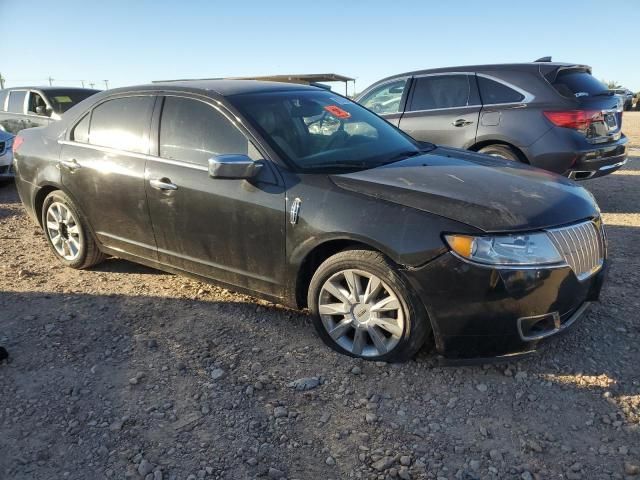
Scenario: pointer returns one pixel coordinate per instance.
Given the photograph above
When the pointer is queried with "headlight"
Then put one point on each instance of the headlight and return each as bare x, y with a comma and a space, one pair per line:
521, 249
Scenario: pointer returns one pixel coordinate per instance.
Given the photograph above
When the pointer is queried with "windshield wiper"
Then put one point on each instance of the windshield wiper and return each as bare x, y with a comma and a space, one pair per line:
605, 93
403, 156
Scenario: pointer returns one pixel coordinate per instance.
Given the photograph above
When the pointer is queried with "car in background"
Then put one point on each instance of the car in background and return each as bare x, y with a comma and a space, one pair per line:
554, 116
6, 157
627, 97
27, 107
299, 195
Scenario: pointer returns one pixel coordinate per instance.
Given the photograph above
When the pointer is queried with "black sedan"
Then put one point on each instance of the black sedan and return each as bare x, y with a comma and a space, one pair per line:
300, 196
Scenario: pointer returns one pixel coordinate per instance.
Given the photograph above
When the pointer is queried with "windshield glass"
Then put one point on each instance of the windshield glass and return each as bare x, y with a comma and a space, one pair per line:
318, 130
62, 100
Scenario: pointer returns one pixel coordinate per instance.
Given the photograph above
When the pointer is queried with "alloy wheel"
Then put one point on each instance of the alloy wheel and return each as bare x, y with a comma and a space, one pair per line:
63, 231
361, 313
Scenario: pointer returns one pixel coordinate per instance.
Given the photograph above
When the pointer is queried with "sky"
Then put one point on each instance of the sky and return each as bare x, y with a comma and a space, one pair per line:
137, 41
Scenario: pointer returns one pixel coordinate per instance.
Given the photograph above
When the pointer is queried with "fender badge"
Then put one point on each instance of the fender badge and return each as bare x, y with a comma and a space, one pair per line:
295, 210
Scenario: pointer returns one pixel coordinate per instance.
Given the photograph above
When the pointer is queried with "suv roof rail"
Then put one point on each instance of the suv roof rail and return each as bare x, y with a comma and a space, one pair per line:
543, 59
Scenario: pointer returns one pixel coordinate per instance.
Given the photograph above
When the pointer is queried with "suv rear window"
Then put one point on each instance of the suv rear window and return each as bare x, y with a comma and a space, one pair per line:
578, 83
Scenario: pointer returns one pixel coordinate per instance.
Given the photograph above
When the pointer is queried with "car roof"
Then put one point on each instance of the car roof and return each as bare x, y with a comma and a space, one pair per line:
51, 88
542, 67
221, 87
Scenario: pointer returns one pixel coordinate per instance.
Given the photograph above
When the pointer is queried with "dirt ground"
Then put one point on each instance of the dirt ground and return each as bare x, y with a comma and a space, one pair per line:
631, 128
126, 372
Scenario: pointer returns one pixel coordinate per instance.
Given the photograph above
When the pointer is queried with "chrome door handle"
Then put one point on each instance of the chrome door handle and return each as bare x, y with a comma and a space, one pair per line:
70, 164
163, 184
461, 122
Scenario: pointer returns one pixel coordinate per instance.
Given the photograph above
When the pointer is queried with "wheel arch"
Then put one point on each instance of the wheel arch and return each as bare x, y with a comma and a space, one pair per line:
312, 259
485, 143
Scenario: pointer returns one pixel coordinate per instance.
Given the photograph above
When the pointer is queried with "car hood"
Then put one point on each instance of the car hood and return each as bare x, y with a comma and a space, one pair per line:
486, 192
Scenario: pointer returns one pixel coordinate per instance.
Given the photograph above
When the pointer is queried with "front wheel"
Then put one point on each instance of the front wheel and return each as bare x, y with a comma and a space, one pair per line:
67, 232
362, 307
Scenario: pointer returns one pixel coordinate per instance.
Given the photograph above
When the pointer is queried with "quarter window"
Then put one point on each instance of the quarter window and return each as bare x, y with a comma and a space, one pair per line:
493, 92
16, 101
3, 97
192, 131
122, 124
386, 98
80, 132
440, 91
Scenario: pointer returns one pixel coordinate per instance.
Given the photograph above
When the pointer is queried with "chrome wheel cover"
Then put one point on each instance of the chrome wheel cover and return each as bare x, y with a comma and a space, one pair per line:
361, 313
63, 231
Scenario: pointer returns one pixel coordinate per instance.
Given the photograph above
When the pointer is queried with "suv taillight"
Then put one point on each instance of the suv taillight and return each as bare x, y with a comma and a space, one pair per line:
576, 119
17, 141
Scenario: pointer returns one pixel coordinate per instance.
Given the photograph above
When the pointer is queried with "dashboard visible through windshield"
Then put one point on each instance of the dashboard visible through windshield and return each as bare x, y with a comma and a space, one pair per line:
319, 130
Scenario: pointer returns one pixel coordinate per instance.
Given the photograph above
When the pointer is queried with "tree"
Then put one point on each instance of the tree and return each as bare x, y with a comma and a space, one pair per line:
611, 84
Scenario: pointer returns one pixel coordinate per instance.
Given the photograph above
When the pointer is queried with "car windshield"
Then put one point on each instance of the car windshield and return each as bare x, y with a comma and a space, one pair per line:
62, 100
318, 130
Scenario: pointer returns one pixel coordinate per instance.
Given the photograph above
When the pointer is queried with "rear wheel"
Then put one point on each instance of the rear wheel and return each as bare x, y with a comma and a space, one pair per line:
502, 151
67, 232
362, 307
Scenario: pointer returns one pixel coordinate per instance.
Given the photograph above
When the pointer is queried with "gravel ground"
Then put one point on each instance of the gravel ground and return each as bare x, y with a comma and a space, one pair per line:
126, 372
631, 127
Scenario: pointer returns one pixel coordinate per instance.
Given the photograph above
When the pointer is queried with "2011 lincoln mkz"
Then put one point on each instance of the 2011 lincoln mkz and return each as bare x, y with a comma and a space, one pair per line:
302, 197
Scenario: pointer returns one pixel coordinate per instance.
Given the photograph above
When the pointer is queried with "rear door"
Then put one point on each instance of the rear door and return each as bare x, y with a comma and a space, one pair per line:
103, 165
443, 108
231, 230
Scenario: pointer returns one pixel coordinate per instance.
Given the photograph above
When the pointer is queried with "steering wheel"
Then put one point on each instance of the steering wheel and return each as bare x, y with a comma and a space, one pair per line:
335, 138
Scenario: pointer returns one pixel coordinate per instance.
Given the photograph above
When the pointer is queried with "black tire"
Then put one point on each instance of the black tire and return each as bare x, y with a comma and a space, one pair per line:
417, 327
503, 151
88, 253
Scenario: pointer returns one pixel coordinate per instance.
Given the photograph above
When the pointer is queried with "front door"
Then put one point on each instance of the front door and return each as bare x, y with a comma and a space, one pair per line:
227, 229
103, 167
387, 99
443, 109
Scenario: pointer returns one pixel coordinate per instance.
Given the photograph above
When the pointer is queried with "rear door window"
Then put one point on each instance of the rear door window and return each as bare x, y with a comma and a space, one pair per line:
122, 124
578, 83
193, 131
493, 92
385, 98
16, 101
440, 91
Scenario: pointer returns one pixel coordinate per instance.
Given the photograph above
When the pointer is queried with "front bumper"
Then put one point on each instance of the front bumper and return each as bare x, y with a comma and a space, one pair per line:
480, 312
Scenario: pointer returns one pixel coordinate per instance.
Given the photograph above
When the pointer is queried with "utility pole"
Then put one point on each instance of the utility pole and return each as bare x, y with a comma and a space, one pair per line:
50, 81
82, 81
106, 84
1, 81
91, 84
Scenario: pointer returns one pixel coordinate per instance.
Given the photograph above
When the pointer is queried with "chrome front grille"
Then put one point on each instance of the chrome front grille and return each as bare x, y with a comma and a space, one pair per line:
582, 246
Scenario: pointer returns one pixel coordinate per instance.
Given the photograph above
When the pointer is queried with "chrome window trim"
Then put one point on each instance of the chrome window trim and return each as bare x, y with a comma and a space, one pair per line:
141, 156
528, 96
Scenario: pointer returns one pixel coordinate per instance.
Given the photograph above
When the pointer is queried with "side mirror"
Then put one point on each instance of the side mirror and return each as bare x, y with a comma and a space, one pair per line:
233, 166
43, 111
